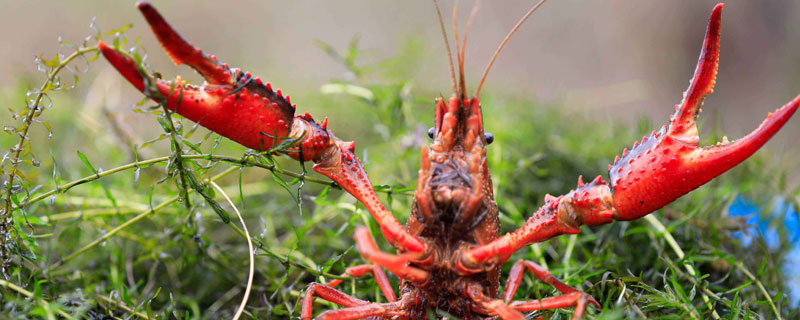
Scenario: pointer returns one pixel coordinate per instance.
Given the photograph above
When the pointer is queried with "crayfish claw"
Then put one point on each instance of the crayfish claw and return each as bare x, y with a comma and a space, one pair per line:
124, 65
670, 162
683, 123
183, 52
735, 151
231, 103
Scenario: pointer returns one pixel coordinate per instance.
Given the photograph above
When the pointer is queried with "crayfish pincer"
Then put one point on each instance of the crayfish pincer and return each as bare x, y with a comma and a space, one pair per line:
450, 252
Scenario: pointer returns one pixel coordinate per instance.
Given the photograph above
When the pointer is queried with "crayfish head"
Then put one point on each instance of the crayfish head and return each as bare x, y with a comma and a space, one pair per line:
454, 185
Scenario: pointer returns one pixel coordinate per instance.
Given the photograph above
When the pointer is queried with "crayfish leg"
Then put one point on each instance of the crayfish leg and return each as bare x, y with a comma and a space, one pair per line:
570, 297
329, 294
380, 278
493, 306
661, 168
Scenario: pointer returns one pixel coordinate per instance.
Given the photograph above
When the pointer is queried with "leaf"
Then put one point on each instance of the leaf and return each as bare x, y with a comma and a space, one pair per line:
86, 161
283, 184
328, 49
110, 197
763, 267
37, 289
326, 267
192, 146
164, 125
208, 196
352, 51
348, 89
324, 192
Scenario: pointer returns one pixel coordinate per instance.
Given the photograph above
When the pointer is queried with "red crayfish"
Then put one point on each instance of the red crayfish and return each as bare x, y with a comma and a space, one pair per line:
450, 252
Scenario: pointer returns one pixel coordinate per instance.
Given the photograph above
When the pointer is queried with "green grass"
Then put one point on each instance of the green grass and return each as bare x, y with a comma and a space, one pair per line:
144, 237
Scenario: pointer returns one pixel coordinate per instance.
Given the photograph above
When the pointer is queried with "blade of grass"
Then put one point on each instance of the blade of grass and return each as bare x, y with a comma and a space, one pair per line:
760, 286
211, 157
123, 307
249, 252
650, 218
128, 223
28, 294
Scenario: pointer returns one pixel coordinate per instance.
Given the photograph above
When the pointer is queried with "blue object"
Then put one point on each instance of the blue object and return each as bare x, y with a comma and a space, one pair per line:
766, 226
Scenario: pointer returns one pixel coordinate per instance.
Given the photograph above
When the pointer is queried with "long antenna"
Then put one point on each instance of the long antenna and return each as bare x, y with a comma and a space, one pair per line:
447, 45
472, 15
503, 44
464, 43
461, 86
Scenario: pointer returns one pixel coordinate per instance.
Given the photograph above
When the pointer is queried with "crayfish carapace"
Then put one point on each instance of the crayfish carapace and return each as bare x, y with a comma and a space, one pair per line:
449, 254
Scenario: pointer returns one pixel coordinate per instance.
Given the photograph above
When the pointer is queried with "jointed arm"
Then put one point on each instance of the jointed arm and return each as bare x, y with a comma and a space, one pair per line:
246, 110
661, 168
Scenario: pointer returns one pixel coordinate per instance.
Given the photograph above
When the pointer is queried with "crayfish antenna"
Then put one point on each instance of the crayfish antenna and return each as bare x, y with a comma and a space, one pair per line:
503, 44
447, 46
472, 15
461, 92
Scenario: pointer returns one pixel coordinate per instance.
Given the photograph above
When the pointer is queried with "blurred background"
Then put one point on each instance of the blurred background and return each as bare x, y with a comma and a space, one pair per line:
618, 60
619, 65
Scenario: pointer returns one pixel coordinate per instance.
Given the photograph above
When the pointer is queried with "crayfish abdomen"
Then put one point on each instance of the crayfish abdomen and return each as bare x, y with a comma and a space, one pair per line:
445, 288
445, 293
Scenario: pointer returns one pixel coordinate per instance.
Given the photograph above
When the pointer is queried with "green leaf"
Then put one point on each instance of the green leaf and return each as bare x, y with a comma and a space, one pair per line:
192, 146
86, 162
283, 184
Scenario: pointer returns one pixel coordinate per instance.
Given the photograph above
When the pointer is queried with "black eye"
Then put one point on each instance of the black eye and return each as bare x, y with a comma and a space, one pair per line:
489, 137
430, 133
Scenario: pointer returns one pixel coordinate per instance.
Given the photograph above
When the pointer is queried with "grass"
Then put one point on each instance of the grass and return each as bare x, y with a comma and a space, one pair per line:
151, 239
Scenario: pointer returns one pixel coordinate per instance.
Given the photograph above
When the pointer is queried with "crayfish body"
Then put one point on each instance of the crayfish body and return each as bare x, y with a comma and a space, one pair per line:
450, 252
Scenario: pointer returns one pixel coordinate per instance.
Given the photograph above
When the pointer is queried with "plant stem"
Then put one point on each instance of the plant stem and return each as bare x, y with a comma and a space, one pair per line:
115, 231
133, 220
251, 268
240, 161
26, 293
679, 252
6, 216
760, 286
171, 200
123, 307
177, 151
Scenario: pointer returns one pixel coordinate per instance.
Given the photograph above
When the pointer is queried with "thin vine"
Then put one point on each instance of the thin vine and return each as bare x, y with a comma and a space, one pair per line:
21, 151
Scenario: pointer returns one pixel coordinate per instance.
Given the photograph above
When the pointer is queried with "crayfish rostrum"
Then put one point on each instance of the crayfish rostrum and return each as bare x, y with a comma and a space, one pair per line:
450, 251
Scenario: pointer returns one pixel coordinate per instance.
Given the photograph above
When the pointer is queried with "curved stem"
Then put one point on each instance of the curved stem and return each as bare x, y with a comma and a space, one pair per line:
5, 215
171, 200
249, 252
123, 307
760, 286
211, 157
679, 252
28, 294
133, 220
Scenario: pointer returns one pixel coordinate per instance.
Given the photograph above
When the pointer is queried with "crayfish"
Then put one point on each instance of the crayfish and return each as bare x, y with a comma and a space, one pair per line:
450, 252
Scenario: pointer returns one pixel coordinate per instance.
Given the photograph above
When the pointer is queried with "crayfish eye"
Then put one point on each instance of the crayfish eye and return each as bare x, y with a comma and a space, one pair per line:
430, 133
489, 137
